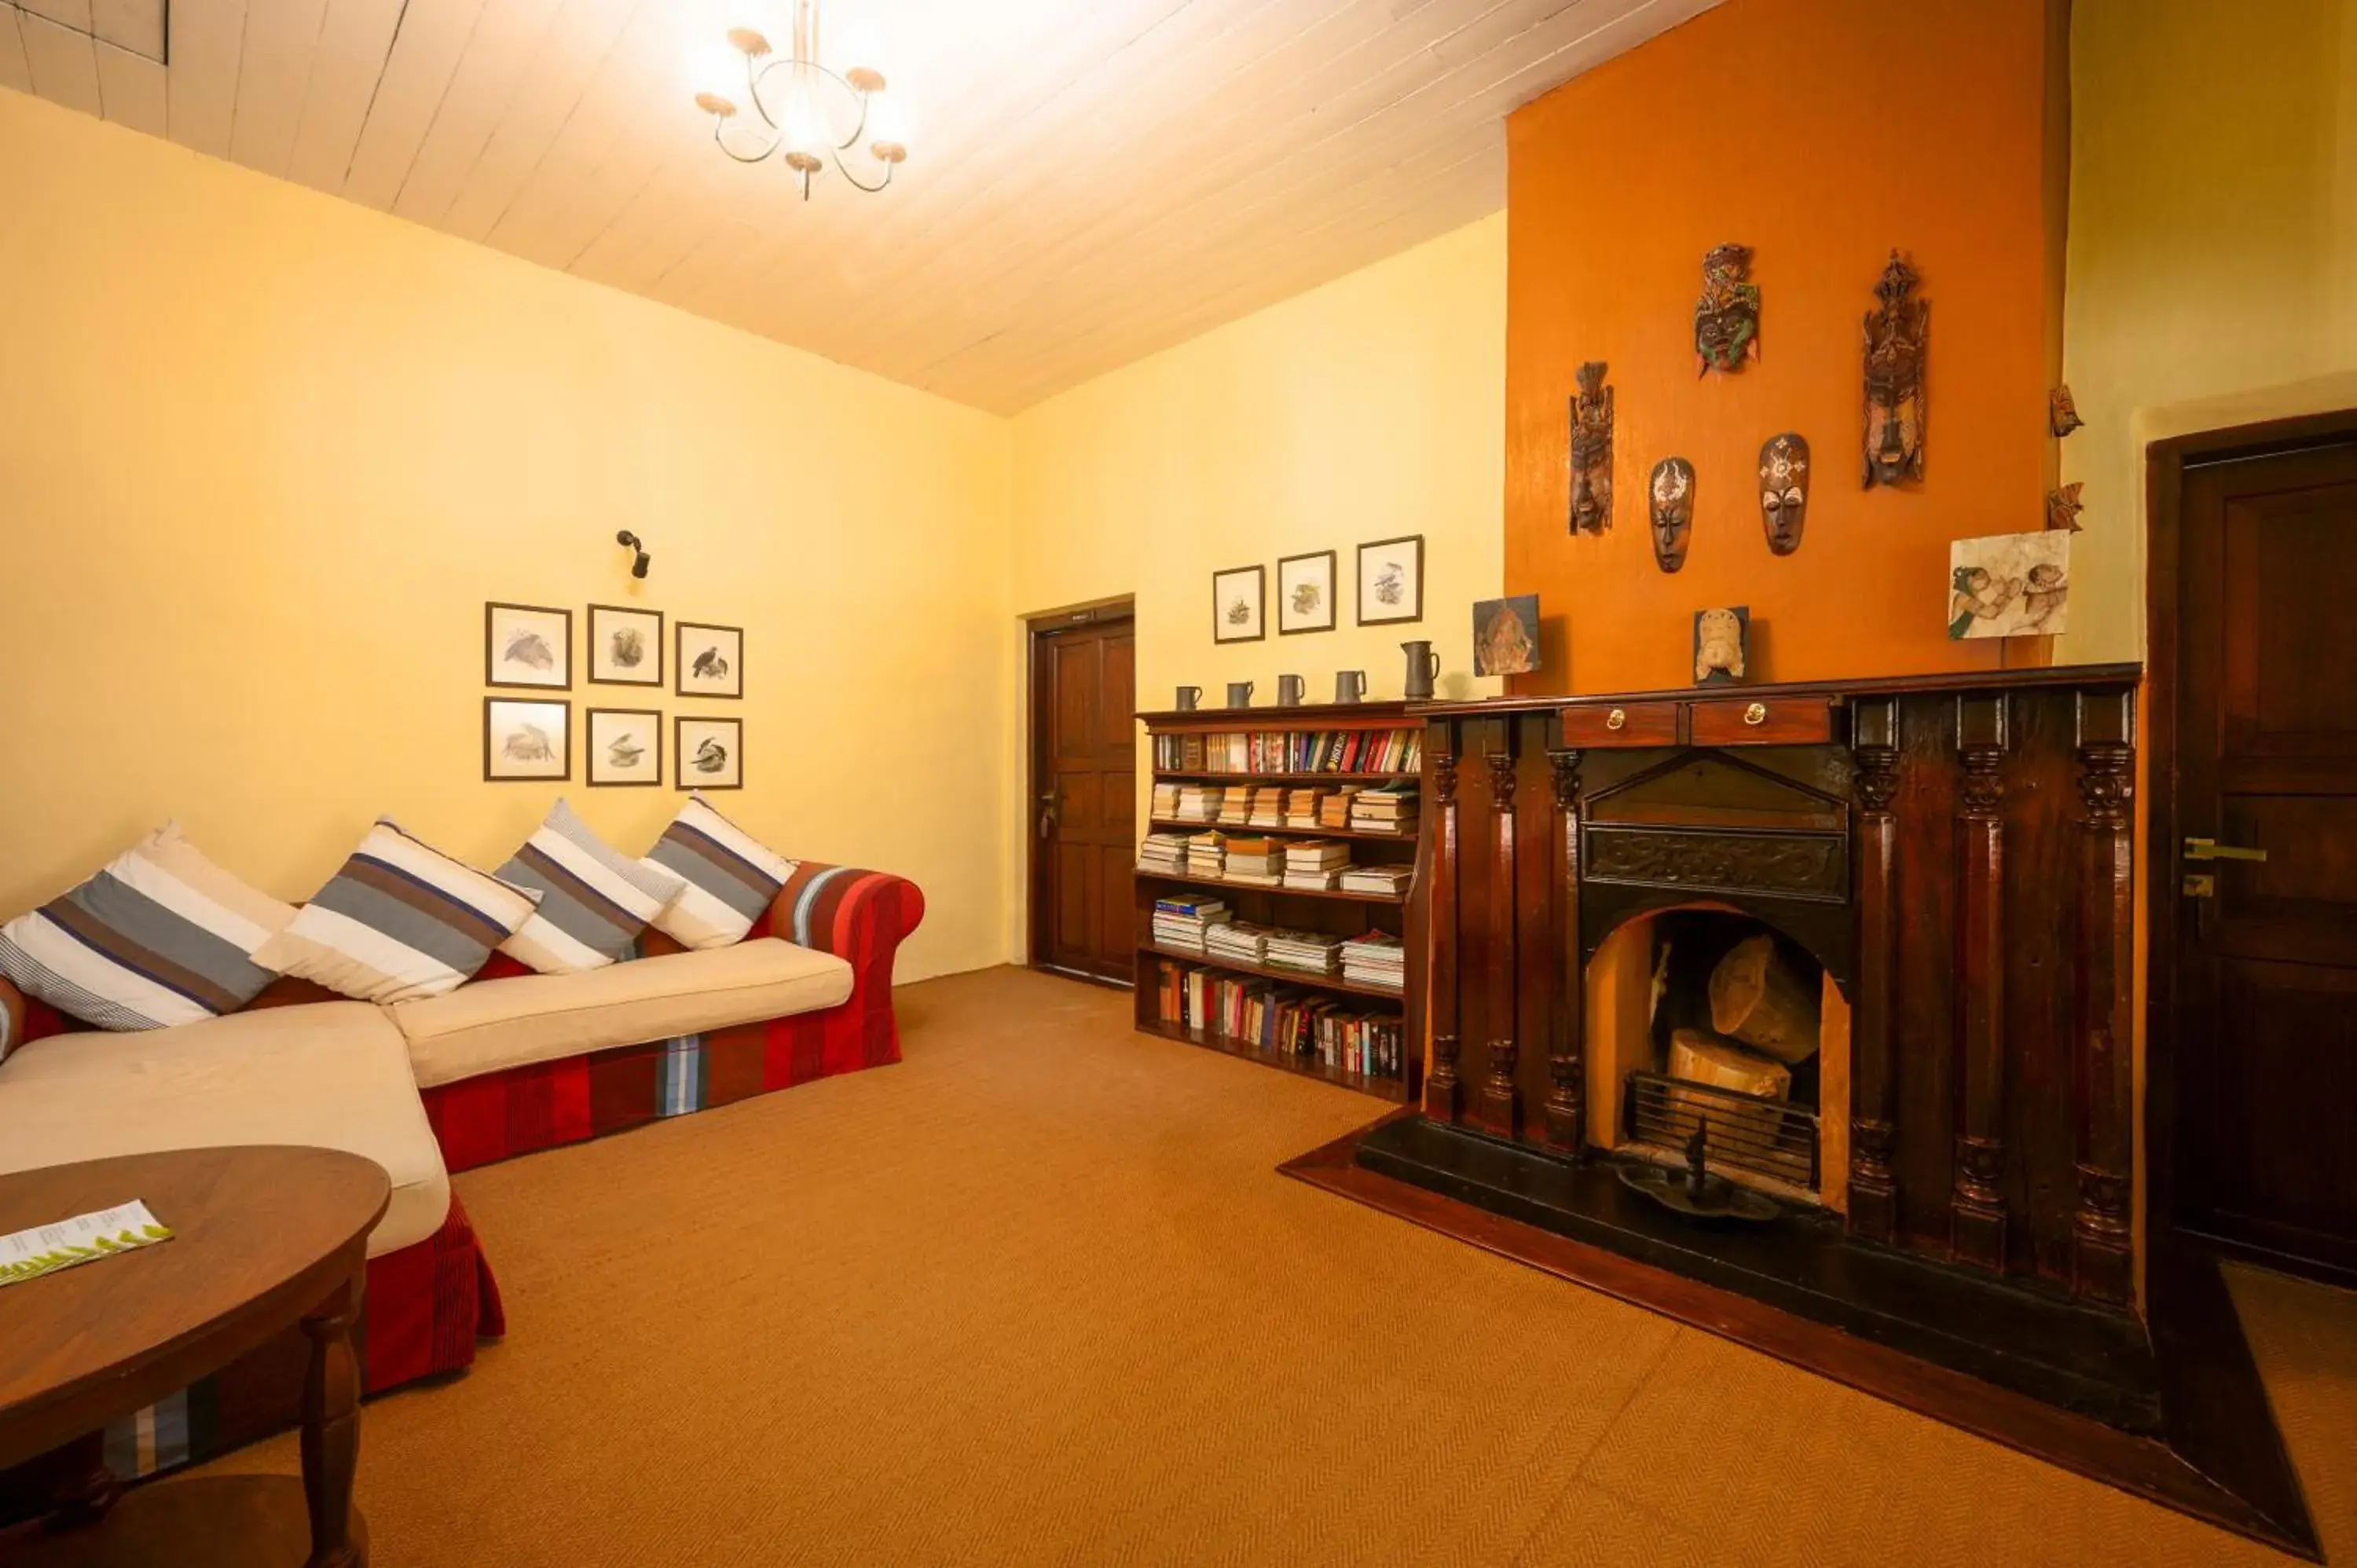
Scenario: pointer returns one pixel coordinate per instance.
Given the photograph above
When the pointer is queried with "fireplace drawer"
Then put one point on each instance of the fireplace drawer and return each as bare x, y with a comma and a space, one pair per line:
1629, 724
1746, 721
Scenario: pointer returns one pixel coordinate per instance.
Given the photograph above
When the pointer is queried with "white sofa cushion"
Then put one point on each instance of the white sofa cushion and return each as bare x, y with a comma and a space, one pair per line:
332, 1074
494, 1024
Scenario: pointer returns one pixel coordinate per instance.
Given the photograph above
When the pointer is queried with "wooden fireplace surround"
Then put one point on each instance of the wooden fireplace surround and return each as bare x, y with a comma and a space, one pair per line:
1957, 850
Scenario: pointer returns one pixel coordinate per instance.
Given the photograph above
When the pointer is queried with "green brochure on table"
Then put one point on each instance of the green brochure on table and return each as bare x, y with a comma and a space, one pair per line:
46, 1248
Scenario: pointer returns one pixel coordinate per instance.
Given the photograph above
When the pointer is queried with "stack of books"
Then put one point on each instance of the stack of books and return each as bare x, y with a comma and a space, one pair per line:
1389, 880
1312, 953
1268, 807
1182, 922
1301, 806
1206, 853
1312, 865
1163, 852
1390, 809
1376, 959
1334, 811
1166, 802
1197, 803
1257, 860
1235, 806
1237, 943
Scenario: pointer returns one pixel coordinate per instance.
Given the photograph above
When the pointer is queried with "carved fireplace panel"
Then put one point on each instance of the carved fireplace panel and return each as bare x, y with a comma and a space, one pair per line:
1954, 852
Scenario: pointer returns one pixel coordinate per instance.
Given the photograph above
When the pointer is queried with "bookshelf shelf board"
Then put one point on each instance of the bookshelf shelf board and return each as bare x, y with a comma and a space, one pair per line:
1239, 830
1335, 893
1269, 971
1234, 777
1382, 1087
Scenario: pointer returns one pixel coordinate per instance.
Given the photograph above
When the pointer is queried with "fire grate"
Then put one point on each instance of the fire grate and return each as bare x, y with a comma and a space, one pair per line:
1770, 1138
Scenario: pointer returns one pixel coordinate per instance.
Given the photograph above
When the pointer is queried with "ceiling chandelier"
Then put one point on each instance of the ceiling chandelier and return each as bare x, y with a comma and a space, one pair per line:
810, 114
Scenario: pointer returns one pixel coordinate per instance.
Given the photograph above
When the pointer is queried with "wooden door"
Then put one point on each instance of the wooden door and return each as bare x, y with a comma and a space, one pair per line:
1083, 803
2265, 583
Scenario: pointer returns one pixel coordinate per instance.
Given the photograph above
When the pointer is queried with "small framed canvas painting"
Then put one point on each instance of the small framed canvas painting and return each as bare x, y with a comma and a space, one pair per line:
710, 660
709, 754
1237, 604
1506, 636
1391, 580
626, 645
2009, 584
622, 746
526, 738
1304, 592
527, 645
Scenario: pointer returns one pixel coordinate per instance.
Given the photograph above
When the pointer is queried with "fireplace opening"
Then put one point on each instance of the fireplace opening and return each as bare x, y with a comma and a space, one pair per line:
1715, 1020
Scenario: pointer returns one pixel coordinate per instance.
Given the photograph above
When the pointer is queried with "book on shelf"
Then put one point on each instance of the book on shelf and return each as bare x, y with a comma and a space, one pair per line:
1290, 751
1317, 854
1235, 806
1376, 959
1334, 811
1186, 922
1301, 806
1267, 807
1389, 880
1256, 861
1387, 809
1312, 953
1207, 854
1165, 852
1237, 943
1281, 1019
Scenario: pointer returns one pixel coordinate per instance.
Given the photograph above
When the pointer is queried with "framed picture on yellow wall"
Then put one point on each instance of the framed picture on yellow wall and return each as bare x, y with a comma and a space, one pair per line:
709, 661
622, 747
1391, 580
525, 740
1238, 598
709, 754
626, 645
1304, 592
527, 645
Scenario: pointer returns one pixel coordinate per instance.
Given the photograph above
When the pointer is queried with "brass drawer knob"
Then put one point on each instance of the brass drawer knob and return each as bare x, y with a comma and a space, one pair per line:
1615, 719
1757, 714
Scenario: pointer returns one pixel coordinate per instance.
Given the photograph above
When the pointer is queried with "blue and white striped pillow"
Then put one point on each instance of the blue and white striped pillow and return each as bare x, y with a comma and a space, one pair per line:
595, 900
401, 920
162, 936
731, 877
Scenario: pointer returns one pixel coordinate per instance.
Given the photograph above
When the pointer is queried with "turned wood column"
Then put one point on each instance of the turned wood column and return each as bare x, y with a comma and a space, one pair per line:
330, 1440
1500, 1104
2103, 1253
1567, 1058
1442, 1097
1976, 1206
1873, 1184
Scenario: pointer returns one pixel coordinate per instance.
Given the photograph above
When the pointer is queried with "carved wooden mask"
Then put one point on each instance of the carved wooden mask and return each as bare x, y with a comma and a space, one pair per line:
1784, 490
1671, 495
1591, 451
1896, 335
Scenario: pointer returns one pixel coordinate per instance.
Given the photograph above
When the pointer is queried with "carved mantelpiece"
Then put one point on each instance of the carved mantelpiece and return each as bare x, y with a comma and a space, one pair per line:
1887, 826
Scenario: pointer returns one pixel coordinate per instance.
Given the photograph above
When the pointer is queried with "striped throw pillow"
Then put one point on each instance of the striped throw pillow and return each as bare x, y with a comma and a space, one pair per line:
401, 920
731, 878
162, 936
595, 900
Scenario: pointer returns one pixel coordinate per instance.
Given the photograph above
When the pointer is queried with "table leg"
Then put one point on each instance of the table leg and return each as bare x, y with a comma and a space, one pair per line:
331, 1428
82, 1488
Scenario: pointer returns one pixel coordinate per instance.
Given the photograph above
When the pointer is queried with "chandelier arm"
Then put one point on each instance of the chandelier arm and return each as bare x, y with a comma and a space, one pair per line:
720, 140
754, 77
853, 180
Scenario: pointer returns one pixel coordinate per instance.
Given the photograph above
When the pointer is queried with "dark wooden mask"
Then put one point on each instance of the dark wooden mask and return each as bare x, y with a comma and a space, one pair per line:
1670, 496
1784, 490
1591, 452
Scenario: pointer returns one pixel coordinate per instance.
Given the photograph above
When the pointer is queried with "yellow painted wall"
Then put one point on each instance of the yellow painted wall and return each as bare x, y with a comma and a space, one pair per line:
1367, 409
2212, 253
263, 455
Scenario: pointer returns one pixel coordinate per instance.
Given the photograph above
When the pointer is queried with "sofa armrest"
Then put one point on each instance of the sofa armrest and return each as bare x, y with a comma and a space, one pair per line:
862, 918
12, 1018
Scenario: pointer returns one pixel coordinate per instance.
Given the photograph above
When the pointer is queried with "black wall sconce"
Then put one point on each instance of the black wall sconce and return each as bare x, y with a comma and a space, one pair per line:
631, 540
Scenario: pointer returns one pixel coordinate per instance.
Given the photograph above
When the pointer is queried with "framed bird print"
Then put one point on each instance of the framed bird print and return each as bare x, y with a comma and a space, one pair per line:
709, 754
525, 739
626, 645
1237, 603
709, 661
527, 645
1304, 592
623, 747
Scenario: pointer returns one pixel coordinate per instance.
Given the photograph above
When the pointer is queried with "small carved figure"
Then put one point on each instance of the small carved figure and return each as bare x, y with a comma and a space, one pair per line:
1506, 636
1672, 496
2063, 506
1784, 490
1591, 451
2062, 413
1727, 316
1895, 339
1718, 639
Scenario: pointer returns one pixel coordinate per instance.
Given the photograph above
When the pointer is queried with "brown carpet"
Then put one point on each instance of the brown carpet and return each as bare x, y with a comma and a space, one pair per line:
1037, 1296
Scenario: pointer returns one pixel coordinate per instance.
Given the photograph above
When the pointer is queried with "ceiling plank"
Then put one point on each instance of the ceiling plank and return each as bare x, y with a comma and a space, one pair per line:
15, 70
64, 66
71, 14
511, 36
355, 43
425, 50
579, 43
274, 75
133, 89
133, 25
207, 40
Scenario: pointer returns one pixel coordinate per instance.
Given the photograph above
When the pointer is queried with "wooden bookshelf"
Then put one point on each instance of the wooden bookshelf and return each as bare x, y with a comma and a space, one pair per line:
1329, 911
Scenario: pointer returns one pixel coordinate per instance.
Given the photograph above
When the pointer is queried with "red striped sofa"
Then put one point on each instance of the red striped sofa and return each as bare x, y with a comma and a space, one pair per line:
429, 1302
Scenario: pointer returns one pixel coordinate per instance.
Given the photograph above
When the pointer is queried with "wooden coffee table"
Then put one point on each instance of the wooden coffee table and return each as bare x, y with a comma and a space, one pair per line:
263, 1238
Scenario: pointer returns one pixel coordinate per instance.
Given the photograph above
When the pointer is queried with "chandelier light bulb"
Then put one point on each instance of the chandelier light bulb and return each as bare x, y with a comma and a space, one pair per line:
805, 103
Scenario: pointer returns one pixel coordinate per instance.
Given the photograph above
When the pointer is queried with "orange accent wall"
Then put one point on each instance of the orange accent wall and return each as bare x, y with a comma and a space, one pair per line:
1822, 134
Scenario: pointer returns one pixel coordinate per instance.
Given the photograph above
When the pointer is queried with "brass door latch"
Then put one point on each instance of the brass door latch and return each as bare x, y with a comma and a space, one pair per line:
2211, 849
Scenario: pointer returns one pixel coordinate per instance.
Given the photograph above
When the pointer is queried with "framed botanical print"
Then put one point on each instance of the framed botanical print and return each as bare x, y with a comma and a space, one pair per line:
1237, 602
1391, 580
622, 746
709, 754
1304, 592
527, 645
626, 645
526, 738
709, 661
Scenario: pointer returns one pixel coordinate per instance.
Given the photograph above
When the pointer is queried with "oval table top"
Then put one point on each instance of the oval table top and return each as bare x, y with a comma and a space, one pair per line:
260, 1237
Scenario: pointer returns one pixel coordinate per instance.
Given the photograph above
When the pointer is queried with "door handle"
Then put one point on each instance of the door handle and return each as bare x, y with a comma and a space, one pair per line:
2211, 849
1048, 812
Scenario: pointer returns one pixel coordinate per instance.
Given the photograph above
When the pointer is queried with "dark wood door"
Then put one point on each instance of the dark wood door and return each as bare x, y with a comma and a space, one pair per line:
2265, 739
1083, 799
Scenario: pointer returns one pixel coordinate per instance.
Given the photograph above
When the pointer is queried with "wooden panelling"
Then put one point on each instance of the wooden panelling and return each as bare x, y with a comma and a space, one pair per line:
208, 42
282, 39
134, 88
15, 70
64, 63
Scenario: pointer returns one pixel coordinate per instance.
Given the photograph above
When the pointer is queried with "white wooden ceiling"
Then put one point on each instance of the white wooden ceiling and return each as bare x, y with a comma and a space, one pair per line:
1089, 180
